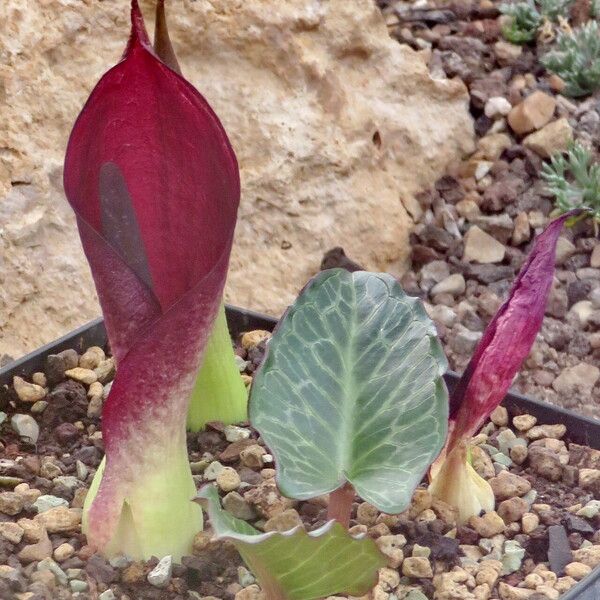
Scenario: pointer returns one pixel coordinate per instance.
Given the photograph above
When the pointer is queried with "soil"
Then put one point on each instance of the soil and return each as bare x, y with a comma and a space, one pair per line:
70, 437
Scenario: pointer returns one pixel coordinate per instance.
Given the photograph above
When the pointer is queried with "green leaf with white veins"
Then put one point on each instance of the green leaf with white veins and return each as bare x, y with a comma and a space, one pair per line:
351, 390
296, 565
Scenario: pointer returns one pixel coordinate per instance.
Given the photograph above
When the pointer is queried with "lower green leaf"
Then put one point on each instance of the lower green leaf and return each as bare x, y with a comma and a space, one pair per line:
299, 565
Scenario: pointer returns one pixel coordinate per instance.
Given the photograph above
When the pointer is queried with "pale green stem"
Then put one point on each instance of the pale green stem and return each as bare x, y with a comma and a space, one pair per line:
219, 392
158, 516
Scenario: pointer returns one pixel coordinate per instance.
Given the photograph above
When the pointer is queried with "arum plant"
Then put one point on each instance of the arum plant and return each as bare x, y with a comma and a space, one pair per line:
219, 393
154, 183
350, 399
504, 346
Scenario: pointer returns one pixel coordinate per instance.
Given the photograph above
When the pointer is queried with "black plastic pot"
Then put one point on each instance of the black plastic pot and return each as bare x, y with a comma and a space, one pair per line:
581, 430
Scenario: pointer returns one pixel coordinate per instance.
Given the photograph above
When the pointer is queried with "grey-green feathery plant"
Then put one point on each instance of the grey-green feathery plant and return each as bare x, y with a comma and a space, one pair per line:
576, 60
552, 9
524, 21
527, 17
574, 179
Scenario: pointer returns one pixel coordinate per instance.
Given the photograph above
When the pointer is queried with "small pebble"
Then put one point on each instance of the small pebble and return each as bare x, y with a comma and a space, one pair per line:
40, 379
529, 522
577, 570
512, 557
47, 564
253, 456
11, 532
253, 338
488, 525
26, 427
107, 595
161, 574
236, 434
39, 407
496, 107
283, 521
78, 586
228, 479
234, 504
590, 510
63, 552
417, 567
92, 357
96, 389
245, 577
555, 432
499, 416
11, 503
47, 501
391, 546
85, 376
212, 471
28, 392
524, 422
366, 514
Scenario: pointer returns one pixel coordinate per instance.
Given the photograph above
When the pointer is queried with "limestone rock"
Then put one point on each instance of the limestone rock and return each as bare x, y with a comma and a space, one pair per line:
92, 357
334, 123
366, 514
521, 231
497, 107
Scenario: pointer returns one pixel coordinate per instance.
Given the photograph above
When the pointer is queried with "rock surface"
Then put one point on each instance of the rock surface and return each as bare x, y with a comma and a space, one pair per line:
336, 127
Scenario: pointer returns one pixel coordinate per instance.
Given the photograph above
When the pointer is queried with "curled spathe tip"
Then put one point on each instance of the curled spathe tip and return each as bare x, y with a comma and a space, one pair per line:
162, 41
138, 35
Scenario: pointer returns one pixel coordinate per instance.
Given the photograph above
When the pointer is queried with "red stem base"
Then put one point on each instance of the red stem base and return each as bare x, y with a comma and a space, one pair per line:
340, 504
